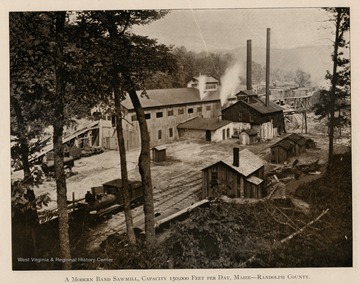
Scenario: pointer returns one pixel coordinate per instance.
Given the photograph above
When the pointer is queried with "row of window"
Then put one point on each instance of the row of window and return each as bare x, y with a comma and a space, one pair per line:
171, 112
211, 86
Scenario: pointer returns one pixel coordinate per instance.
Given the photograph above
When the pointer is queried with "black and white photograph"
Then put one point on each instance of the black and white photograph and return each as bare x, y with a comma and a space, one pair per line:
187, 143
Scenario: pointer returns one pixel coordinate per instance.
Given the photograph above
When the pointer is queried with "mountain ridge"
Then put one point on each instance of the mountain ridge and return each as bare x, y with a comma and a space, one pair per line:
314, 60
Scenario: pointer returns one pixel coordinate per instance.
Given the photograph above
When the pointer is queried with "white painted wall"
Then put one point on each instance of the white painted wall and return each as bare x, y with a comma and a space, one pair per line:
164, 123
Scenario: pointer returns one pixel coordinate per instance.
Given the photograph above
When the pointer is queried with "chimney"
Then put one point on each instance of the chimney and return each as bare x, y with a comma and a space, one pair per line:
267, 66
248, 66
236, 157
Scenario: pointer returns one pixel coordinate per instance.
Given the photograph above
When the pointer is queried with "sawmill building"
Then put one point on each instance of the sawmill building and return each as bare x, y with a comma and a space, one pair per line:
267, 119
164, 110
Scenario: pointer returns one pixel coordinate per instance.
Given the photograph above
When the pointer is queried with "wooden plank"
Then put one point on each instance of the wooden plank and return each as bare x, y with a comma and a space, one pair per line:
181, 212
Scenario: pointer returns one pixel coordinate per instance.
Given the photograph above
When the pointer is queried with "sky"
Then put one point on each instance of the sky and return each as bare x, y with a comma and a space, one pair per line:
226, 29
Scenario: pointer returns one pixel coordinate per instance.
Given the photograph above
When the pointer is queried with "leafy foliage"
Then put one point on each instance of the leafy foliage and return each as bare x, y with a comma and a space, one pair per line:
131, 60
248, 235
190, 64
339, 91
302, 78
33, 83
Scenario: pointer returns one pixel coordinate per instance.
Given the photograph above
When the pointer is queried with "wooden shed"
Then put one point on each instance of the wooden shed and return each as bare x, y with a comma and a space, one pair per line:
251, 109
159, 153
206, 129
248, 136
239, 176
299, 142
282, 151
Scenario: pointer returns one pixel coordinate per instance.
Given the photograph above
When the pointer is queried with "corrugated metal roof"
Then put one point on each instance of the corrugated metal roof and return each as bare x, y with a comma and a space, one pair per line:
248, 163
169, 97
200, 123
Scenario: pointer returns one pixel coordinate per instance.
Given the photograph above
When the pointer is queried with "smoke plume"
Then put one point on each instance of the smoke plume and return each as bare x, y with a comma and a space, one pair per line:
202, 87
230, 81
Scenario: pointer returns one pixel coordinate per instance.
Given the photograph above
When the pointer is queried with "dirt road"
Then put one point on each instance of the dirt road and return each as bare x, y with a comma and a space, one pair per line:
176, 181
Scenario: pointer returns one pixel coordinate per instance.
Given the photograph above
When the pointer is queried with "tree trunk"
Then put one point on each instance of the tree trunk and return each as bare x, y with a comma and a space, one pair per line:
333, 91
57, 140
123, 166
144, 161
120, 136
339, 121
24, 145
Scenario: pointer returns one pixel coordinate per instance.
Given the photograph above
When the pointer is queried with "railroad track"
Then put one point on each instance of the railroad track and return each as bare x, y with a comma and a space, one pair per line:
173, 191
179, 194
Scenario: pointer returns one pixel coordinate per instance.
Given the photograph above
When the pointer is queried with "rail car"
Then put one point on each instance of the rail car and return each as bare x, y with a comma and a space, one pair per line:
109, 197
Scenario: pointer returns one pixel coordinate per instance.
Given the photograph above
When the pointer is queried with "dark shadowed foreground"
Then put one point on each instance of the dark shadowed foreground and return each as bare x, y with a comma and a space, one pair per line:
269, 233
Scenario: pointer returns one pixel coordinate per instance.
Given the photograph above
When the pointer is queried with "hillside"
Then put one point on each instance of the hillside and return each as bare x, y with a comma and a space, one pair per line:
272, 233
314, 60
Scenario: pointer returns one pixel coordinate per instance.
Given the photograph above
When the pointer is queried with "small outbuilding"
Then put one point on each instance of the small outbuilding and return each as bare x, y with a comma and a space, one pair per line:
299, 142
282, 151
206, 129
248, 136
159, 153
240, 176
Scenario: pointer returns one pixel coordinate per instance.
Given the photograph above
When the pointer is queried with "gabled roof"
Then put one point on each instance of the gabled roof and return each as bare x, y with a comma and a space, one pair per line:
248, 163
258, 104
247, 93
236, 91
200, 123
208, 79
296, 138
169, 97
285, 144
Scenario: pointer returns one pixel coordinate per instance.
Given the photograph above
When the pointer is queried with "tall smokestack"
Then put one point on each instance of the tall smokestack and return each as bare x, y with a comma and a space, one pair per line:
267, 87
236, 157
248, 66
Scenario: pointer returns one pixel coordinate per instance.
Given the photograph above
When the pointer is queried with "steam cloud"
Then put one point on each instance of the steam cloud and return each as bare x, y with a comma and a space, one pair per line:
202, 87
230, 81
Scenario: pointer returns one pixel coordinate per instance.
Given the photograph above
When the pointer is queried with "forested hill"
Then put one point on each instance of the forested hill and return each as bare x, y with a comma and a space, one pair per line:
314, 60
284, 63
